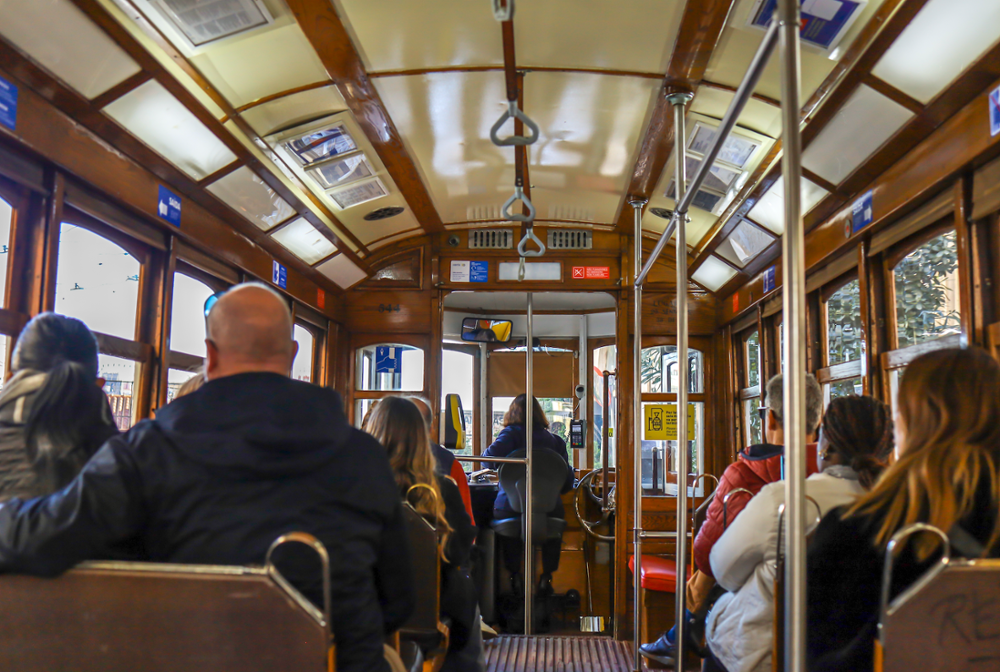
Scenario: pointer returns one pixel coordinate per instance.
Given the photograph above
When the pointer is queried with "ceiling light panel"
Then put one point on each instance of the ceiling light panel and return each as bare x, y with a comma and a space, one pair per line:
942, 40
60, 38
744, 243
342, 271
559, 33
244, 191
202, 22
860, 127
769, 211
304, 241
713, 274
153, 115
341, 171
393, 35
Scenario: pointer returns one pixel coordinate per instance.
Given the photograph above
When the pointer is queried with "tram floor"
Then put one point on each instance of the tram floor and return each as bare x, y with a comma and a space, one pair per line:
518, 653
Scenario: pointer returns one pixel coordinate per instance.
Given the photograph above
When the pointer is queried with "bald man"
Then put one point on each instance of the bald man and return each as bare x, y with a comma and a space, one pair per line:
222, 472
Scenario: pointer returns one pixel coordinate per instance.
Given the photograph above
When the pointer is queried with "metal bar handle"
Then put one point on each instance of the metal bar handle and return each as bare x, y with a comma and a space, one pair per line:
498, 460
725, 505
324, 557
518, 195
887, 567
522, 248
514, 112
781, 521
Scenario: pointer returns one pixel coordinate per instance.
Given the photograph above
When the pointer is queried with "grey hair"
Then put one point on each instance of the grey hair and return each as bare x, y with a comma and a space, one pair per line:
774, 400
426, 411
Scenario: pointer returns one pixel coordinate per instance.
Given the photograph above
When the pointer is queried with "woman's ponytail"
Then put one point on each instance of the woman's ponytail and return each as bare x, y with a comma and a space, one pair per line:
859, 429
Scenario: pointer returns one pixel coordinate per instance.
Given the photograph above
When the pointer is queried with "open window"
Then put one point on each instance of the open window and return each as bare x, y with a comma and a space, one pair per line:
840, 315
385, 369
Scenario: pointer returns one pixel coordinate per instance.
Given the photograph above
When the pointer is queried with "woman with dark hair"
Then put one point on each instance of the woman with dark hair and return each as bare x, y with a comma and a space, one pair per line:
53, 414
946, 475
855, 440
398, 425
513, 437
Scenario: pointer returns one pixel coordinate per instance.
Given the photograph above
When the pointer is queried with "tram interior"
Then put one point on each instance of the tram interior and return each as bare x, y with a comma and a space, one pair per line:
640, 213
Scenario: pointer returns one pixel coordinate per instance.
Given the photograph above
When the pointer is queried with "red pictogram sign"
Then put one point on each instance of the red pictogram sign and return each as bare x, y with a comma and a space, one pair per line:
591, 273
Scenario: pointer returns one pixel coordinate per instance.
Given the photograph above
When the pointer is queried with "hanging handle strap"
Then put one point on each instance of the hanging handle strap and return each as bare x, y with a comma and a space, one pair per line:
522, 248
514, 112
519, 195
503, 10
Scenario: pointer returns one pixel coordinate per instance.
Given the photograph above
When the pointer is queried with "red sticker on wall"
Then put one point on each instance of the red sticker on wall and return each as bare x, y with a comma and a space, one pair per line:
320, 298
736, 302
591, 272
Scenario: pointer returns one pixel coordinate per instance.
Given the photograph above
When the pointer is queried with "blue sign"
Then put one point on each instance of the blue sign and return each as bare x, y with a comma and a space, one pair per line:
279, 275
168, 206
388, 359
479, 271
769, 282
8, 104
862, 213
823, 21
994, 98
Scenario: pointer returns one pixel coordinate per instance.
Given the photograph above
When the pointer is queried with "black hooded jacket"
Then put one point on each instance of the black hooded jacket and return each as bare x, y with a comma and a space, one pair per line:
218, 476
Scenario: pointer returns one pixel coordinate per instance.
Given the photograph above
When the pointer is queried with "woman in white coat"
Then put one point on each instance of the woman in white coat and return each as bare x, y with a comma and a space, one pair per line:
855, 441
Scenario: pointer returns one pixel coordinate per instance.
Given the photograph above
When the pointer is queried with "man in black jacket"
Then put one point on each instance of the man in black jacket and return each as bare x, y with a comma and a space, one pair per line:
222, 472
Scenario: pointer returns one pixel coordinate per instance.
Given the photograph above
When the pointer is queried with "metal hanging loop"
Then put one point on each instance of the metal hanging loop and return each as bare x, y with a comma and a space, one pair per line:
514, 112
522, 246
503, 10
519, 195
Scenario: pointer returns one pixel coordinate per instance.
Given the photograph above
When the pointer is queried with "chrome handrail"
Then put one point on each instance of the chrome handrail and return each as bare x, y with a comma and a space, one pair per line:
324, 557
887, 566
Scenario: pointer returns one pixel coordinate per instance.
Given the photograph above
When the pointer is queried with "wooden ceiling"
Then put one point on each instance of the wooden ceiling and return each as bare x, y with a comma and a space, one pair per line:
420, 83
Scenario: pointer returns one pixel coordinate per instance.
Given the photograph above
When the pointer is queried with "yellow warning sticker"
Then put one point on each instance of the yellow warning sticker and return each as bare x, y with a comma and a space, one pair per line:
660, 422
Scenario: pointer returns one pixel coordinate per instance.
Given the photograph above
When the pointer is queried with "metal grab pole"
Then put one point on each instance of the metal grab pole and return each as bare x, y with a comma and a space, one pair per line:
529, 428
637, 204
794, 306
680, 101
740, 98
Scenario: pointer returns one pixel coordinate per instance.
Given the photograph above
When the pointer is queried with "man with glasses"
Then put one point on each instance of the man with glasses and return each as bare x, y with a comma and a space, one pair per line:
223, 471
755, 467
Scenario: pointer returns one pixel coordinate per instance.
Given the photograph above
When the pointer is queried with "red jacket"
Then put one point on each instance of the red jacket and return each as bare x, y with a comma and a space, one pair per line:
754, 468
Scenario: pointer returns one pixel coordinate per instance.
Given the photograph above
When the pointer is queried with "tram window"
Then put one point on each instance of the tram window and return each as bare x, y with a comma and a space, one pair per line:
187, 315
97, 281
458, 377
361, 409
926, 284
753, 421
843, 388
558, 411
120, 385
176, 378
659, 457
660, 374
302, 367
390, 367
752, 358
6, 216
843, 324
605, 359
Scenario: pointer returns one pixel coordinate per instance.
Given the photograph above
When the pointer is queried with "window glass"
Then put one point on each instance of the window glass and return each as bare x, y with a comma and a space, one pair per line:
302, 367
605, 359
843, 324
926, 283
458, 377
97, 282
843, 388
752, 352
659, 457
120, 386
751, 418
361, 409
500, 406
6, 217
660, 374
176, 378
389, 367
558, 411
187, 315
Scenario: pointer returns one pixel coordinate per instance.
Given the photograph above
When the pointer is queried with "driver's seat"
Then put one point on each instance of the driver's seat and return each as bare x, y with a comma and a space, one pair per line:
549, 472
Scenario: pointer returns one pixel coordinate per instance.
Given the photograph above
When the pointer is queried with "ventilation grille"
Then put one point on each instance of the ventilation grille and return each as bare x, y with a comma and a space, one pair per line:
570, 239
204, 22
491, 239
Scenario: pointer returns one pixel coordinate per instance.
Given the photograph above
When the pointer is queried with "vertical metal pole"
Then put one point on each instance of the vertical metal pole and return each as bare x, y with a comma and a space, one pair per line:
794, 305
529, 428
680, 101
485, 411
584, 373
637, 421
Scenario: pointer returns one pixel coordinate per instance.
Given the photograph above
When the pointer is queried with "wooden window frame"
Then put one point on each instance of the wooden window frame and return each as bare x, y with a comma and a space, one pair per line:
359, 341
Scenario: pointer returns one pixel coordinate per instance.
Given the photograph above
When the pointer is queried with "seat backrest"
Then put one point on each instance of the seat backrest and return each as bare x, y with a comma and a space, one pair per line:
426, 572
453, 423
549, 472
121, 617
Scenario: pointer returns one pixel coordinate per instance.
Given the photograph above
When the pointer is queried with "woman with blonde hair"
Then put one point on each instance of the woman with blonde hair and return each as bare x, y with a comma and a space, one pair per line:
948, 436
399, 426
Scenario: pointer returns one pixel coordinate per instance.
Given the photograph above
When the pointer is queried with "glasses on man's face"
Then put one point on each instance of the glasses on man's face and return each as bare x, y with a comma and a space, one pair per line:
211, 301
762, 412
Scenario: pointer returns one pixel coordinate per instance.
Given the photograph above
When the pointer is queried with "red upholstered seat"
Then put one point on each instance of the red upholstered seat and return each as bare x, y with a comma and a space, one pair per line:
659, 574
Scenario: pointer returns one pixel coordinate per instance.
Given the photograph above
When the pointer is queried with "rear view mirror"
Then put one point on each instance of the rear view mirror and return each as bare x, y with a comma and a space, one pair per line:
486, 331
